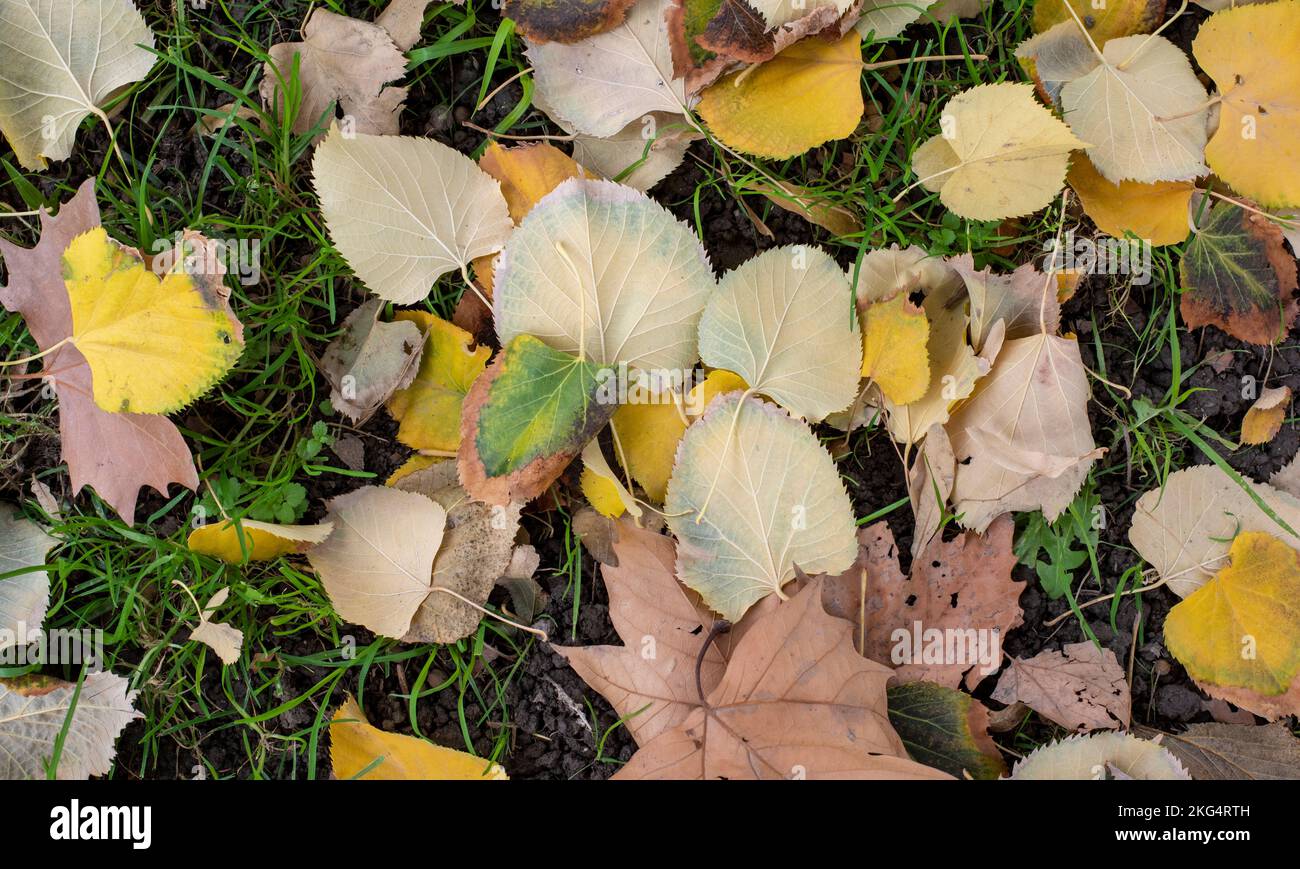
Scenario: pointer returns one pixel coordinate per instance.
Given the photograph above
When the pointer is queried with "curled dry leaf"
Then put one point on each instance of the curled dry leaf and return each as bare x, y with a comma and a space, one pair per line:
630, 67
476, 551
795, 700
23, 598
526, 418
1101, 757
1234, 752
774, 502
370, 359
548, 21
226, 640
780, 12
1264, 419
115, 453
1250, 54
600, 269
772, 322
929, 485
1237, 275
340, 60
255, 541
1001, 154
1184, 529
377, 563
1238, 635
809, 204
945, 729
944, 622
1024, 300
807, 95
361, 750
1080, 687
34, 711
428, 409
76, 55
398, 240
602, 487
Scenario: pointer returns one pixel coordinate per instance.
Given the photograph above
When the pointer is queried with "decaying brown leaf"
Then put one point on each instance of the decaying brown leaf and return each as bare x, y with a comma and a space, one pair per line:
1080, 687
370, 360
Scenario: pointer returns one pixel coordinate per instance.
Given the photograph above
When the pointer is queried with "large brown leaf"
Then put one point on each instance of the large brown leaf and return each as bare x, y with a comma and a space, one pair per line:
116, 453
945, 621
795, 701
1080, 687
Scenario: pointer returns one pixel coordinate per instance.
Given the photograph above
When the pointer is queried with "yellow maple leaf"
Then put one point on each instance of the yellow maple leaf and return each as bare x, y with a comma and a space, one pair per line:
1242, 628
648, 433
361, 750
1251, 53
1000, 153
806, 96
1156, 212
262, 540
428, 411
153, 344
894, 354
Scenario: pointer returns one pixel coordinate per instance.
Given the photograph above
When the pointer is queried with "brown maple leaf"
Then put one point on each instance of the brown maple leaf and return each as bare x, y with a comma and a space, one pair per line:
116, 453
1080, 687
952, 612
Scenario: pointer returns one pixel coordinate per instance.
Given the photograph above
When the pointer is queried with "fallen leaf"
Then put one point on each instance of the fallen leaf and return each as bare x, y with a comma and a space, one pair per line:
23, 598
598, 534
428, 410
650, 679
1250, 54
1240, 631
377, 563
946, 620
885, 19
647, 432
1024, 300
1264, 418
358, 750
779, 503
340, 60
477, 549
807, 95
929, 484
116, 453
1232, 752
630, 67
1002, 155
34, 710
772, 322
779, 12
795, 701
76, 55
1056, 57
809, 204
642, 154
1113, 19
226, 640
703, 30
525, 419
1155, 213
1237, 275
1185, 528
599, 268
945, 729
261, 541
527, 173
1080, 687
602, 487
548, 21
894, 354
127, 323
1100, 757
398, 240
403, 20
1144, 111
370, 359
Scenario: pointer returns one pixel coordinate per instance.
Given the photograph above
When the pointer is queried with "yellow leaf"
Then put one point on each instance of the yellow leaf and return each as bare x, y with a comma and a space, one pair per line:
1242, 628
1251, 53
428, 411
806, 96
412, 465
602, 486
528, 172
360, 750
1264, 419
153, 345
1114, 18
1001, 154
894, 354
1154, 212
262, 540
649, 432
